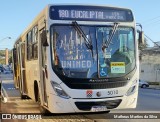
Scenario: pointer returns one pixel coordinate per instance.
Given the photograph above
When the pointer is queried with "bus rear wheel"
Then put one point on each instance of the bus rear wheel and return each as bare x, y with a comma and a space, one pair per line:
24, 96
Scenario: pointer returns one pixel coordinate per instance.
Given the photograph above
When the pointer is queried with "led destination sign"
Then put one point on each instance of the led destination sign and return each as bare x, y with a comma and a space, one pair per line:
90, 13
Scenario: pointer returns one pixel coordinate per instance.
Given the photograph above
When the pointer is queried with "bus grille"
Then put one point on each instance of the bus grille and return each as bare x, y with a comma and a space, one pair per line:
86, 106
103, 85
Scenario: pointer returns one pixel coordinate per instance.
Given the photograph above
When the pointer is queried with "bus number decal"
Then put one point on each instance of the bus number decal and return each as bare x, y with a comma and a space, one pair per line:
63, 14
112, 92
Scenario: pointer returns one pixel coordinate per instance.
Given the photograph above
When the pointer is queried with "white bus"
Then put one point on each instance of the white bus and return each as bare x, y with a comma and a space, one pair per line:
79, 58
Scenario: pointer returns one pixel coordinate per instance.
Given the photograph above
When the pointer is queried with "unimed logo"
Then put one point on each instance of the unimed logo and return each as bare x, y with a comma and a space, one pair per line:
6, 116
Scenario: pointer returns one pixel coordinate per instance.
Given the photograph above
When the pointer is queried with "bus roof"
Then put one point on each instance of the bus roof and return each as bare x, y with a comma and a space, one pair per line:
94, 5
46, 9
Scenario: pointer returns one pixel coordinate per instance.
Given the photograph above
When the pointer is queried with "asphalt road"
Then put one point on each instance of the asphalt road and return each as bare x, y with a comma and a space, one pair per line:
148, 102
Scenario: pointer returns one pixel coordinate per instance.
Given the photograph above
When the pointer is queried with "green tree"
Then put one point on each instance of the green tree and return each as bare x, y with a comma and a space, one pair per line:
2, 56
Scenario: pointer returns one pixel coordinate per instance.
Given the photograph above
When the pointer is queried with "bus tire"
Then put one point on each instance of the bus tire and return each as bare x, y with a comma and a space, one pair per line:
36, 91
24, 96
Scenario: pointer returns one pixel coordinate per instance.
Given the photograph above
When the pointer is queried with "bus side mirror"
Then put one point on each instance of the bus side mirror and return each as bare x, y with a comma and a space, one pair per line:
141, 37
44, 38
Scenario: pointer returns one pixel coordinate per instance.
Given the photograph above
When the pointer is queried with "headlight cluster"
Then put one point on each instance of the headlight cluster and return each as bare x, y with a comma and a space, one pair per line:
132, 89
59, 91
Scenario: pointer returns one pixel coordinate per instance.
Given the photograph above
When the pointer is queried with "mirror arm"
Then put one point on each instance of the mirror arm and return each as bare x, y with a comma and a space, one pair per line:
141, 34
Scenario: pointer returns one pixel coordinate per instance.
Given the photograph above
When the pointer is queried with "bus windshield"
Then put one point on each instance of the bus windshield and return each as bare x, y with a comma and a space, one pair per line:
72, 58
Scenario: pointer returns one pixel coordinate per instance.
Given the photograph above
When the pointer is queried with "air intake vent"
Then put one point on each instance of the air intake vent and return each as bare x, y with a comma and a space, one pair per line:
86, 106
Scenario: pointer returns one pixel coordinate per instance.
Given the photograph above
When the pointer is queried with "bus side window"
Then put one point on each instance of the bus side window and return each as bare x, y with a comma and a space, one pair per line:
32, 44
29, 45
35, 42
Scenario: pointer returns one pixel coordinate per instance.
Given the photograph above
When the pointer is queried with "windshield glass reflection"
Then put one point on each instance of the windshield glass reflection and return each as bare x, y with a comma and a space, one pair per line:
71, 56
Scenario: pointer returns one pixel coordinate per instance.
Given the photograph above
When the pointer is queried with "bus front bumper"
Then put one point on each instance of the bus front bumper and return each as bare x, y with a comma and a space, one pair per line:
61, 105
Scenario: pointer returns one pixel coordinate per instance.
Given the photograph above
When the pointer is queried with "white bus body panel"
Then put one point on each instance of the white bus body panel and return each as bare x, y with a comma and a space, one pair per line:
61, 105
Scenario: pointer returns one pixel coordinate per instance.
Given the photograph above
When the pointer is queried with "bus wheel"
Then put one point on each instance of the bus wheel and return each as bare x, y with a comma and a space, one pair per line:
24, 96
36, 91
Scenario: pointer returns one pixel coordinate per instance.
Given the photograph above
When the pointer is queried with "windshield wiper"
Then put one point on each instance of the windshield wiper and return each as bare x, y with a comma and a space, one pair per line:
109, 41
88, 42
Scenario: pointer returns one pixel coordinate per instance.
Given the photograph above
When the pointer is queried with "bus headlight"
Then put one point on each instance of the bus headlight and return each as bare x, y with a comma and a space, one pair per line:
59, 91
132, 89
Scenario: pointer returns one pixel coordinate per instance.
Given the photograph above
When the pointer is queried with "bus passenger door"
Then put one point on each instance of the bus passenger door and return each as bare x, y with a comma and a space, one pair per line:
18, 72
14, 56
23, 85
43, 72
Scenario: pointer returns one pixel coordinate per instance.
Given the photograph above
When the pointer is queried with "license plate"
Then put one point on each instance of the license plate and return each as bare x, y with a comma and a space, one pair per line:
98, 108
